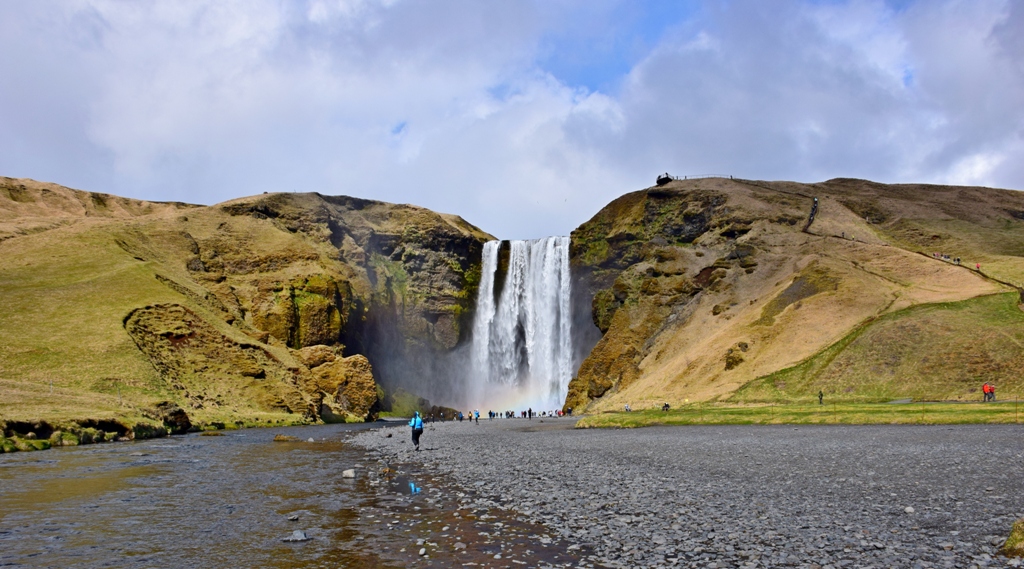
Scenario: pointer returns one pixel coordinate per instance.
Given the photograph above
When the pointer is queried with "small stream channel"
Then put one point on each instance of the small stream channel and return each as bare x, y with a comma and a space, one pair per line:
225, 501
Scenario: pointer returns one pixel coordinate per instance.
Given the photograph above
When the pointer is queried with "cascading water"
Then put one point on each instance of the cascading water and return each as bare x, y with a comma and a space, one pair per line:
522, 345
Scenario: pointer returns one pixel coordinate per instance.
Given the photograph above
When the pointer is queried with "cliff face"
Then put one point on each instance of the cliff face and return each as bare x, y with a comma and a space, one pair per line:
122, 303
396, 283
303, 307
698, 288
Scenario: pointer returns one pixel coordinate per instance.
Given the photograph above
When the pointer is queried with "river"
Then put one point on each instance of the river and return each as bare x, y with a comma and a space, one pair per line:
231, 500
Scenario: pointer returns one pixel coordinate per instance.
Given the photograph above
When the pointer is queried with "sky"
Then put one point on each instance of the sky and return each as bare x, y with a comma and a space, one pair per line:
525, 117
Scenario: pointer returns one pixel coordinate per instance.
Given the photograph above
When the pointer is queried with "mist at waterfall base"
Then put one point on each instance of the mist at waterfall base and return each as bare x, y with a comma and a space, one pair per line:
521, 353
527, 334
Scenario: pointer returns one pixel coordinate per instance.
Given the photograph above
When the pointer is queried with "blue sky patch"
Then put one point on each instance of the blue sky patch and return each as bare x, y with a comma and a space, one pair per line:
598, 50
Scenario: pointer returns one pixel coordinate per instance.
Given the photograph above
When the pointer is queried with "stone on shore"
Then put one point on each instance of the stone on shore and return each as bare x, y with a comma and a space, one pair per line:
297, 535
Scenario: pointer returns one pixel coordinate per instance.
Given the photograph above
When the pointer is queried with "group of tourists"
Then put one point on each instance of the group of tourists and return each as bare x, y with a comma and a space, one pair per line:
416, 423
474, 415
954, 260
989, 391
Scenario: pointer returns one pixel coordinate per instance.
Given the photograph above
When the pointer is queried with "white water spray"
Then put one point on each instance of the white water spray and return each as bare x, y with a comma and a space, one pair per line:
522, 345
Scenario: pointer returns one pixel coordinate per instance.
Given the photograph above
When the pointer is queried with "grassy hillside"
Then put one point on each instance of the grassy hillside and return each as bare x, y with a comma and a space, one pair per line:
942, 351
811, 413
66, 292
702, 287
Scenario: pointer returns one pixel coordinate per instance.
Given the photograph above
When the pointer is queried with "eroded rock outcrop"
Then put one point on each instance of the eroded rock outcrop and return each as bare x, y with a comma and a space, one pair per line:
208, 369
311, 310
320, 275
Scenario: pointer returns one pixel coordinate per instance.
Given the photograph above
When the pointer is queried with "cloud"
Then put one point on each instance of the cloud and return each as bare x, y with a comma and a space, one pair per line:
524, 117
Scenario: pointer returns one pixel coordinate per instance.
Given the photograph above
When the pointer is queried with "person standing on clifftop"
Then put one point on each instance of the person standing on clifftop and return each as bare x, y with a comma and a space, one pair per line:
417, 429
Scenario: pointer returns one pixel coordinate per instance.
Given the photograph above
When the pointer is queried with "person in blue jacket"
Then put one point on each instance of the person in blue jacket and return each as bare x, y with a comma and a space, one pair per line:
417, 429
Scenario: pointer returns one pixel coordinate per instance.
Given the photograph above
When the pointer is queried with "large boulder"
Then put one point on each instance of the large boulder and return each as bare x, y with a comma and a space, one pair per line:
313, 356
346, 389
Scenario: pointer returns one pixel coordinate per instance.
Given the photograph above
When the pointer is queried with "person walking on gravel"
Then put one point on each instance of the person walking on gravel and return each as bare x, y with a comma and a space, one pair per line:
417, 429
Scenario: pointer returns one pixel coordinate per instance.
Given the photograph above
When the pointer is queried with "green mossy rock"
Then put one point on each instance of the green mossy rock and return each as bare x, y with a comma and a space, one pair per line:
89, 436
64, 439
30, 444
148, 431
1014, 546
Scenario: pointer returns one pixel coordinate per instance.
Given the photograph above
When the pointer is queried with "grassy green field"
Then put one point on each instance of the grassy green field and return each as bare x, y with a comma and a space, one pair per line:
814, 414
64, 353
931, 352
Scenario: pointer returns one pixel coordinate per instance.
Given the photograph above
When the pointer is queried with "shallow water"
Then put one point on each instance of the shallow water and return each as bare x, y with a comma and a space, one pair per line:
225, 501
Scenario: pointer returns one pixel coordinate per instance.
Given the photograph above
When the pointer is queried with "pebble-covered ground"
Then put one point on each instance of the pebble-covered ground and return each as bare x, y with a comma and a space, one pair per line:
737, 496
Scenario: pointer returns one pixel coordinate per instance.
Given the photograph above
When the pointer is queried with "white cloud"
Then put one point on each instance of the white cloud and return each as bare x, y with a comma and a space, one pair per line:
448, 104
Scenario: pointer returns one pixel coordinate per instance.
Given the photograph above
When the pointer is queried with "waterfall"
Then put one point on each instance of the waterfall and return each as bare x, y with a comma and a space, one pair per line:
522, 350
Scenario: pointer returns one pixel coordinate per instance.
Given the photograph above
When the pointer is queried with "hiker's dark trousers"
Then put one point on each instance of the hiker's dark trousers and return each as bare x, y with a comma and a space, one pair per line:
416, 436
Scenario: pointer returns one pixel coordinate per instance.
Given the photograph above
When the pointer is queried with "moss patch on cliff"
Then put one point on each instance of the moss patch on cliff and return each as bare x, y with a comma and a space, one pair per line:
616, 237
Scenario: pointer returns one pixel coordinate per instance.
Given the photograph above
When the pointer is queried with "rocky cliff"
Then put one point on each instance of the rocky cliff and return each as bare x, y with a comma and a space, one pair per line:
125, 317
700, 289
274, 308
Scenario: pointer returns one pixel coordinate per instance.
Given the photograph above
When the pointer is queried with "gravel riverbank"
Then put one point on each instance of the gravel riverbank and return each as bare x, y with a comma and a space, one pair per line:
738, 496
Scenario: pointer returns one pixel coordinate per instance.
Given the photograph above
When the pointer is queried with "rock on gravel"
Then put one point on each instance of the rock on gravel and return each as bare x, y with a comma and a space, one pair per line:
740, 496
297, 535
